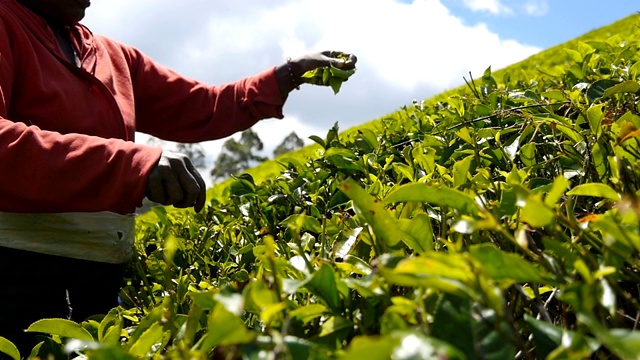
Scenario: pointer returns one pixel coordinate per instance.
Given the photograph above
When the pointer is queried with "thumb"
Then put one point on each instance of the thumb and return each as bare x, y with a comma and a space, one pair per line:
339, 63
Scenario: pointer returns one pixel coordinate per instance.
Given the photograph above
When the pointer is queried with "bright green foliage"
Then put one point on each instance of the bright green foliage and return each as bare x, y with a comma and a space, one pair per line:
500, 222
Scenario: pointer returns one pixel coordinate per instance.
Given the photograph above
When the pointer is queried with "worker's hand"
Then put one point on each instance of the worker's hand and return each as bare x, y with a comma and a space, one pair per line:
317, 60
175, 181
289, 75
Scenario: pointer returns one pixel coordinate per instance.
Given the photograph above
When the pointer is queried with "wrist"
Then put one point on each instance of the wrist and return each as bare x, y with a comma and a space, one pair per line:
289, 77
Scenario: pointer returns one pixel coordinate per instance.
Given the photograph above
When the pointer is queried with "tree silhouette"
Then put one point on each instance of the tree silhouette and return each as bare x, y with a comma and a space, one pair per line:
195, 153
290, 143
237, 156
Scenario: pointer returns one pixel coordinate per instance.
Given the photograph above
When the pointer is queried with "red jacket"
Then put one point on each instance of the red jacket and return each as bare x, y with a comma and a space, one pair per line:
66, 133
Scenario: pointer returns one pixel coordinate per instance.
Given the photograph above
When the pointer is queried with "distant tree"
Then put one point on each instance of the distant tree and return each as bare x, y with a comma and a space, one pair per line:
237, 156
195, 152
290, 143
154, 141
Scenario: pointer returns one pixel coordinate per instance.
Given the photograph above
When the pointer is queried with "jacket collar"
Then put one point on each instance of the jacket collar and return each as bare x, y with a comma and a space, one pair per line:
81, 37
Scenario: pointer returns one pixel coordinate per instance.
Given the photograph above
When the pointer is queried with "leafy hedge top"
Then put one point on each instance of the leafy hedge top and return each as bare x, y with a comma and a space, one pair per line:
499, 222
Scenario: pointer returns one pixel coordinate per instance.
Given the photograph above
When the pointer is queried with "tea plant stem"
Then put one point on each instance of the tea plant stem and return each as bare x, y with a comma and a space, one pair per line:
323, 241
143, 276
541, 306
473, 87
303, 254
499, 113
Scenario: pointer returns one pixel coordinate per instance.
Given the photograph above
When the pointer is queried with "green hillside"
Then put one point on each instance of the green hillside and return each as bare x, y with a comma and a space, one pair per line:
498, 220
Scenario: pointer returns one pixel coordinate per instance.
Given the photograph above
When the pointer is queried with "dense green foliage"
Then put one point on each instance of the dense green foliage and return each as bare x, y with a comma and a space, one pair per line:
499, 222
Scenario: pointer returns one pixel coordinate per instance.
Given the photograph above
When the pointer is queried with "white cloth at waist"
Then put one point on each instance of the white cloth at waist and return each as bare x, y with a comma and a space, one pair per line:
96, 236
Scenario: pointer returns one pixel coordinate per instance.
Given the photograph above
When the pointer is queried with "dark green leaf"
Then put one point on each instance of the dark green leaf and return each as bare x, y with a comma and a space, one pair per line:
597, 89
318, 140
323, 285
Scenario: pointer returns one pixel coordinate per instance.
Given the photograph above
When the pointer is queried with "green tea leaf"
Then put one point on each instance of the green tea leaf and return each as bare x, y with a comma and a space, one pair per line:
318, 140
596, 190
461, 171
560, 185
300, 222
499, 265
597, 89
149, 342
434, 195
370, 348
372, 210
535, 212
147, 322
528, 154
309, 312
420, 229
448, 273
60, 327
595, 116
8, 348
629, 86
323, 285
224, 329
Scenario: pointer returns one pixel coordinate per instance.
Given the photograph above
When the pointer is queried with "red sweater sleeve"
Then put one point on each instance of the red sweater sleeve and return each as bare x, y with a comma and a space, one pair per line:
177, 108
46, 171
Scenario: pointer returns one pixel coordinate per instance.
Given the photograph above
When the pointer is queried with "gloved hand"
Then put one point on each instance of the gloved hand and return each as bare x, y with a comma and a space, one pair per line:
317, 60
175, 181
289, 75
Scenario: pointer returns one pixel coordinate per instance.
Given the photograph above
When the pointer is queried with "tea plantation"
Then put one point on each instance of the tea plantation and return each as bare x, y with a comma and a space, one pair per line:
498, 220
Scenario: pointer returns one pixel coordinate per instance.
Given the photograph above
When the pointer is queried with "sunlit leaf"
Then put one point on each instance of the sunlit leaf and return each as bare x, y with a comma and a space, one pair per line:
628, 131
8, 348
434, 195
149, 342
300, 222
384, 226
499, 265
421, 232
535, 212
461, 171
60, 327
596, 190
595, 116
560, 185
224, 329
629, 86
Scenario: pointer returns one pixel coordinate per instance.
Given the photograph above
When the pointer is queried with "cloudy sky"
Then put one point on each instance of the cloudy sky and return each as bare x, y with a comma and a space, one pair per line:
407, 49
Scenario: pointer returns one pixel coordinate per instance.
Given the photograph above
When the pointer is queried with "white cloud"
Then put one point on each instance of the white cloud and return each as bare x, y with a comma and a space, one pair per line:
493, 6
405, 51
509, 7
536, 7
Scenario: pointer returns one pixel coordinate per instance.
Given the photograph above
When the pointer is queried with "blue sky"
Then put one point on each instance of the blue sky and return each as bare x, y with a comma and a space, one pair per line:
557, 21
